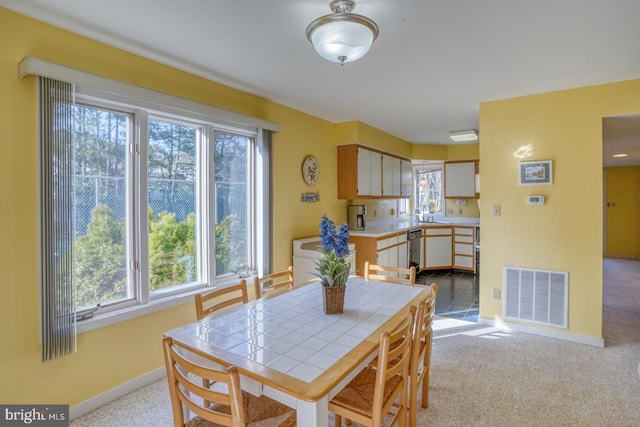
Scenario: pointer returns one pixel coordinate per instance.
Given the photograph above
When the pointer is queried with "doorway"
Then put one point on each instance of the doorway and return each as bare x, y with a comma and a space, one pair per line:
621, 176
621, 227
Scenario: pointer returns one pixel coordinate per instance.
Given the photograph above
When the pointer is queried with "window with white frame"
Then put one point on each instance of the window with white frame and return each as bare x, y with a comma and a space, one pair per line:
162, 204
145, 199
429, 194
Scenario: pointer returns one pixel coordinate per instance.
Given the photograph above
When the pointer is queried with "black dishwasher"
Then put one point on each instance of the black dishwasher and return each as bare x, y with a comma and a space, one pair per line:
414, 243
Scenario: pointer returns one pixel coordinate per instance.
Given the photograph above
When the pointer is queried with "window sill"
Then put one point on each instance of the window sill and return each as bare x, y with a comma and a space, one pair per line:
129, 313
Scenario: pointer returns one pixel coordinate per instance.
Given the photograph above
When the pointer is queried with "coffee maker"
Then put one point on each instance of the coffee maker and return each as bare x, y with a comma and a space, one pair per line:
355, 216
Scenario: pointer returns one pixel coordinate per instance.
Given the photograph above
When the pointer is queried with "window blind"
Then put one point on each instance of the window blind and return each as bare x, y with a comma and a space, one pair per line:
56, 211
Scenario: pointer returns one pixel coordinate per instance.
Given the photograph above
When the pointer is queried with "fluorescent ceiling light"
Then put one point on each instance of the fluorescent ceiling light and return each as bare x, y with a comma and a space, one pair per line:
464, 135
619, 155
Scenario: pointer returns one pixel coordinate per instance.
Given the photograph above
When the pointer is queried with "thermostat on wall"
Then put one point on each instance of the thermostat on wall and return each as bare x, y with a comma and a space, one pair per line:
535, 200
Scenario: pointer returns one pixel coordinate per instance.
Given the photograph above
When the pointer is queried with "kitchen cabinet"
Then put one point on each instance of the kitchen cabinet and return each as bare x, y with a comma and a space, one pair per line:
390, 249
437, 247
460, 179
391, 176
406, 173
443, 246
369, 174
403, 254
359, 172
464, 248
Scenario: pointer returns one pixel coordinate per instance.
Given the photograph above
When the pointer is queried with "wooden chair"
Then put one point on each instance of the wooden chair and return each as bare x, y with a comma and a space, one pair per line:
273, 281
421, 354
209, 302
368, 398
226, 404
390, 274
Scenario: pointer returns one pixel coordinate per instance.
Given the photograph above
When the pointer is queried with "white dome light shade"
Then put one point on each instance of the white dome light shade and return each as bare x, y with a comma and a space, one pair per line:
342, 37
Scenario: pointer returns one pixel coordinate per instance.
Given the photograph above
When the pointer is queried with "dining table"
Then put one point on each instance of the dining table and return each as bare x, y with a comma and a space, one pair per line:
287, 348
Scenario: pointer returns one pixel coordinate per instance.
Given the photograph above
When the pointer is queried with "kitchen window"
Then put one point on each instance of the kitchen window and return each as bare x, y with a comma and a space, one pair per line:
429, 188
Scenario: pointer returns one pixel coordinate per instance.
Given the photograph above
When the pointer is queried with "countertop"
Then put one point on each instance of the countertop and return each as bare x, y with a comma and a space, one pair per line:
388, 226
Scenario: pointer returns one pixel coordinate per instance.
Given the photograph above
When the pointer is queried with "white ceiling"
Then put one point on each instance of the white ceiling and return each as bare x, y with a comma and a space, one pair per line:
432, 64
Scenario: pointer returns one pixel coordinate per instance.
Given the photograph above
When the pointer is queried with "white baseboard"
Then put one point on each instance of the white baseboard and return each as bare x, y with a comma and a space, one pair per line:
110, 395
566, 336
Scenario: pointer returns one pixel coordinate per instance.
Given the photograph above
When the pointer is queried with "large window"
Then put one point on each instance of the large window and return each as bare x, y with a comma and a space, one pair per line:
429, 188
145, 199
162, 204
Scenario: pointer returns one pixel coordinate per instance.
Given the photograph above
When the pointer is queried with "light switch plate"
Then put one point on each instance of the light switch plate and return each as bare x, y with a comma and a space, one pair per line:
496, 210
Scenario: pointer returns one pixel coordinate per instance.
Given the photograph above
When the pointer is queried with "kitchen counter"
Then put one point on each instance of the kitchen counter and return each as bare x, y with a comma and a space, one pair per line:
390, 226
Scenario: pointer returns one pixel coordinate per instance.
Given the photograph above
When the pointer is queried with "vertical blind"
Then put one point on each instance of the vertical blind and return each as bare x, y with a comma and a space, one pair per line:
265, 205
56, 211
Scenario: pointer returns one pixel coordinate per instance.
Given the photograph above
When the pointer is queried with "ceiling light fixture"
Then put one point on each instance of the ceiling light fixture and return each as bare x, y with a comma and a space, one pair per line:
342, 36
619, 155
470, 135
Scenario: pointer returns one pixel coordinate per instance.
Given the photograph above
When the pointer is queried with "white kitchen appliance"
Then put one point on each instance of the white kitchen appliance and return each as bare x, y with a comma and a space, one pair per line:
308, 250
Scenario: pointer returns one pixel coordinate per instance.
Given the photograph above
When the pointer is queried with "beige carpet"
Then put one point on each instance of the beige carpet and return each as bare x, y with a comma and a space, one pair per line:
488, 377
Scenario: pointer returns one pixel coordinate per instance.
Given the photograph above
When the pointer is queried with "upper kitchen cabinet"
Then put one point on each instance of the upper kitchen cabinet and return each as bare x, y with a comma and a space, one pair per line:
391, 178
406, 169
368, 173
460, 179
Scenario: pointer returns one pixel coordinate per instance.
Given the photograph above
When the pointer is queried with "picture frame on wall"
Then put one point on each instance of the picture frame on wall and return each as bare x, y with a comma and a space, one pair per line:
536, 173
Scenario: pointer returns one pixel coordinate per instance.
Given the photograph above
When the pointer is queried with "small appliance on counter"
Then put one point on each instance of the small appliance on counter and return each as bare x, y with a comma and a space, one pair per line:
355, 217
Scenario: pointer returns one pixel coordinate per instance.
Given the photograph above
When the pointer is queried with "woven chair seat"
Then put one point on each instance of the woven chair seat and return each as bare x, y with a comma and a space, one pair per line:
358, 394
259, 412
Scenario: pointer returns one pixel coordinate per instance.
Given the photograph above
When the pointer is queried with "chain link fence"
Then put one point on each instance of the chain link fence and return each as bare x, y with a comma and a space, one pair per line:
176, 196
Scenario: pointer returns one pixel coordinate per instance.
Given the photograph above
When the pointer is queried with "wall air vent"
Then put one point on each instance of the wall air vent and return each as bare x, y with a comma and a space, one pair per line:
537, 296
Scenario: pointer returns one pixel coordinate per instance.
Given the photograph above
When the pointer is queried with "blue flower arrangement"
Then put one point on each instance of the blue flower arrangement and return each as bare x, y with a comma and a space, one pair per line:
333, 269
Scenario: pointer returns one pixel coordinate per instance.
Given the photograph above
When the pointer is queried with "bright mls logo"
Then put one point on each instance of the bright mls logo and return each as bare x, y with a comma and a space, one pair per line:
34, 415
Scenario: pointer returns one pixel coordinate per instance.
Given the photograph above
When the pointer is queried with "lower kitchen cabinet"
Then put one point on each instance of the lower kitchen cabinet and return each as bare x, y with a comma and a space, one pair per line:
390, 249
443, 247
464, 248
437, 247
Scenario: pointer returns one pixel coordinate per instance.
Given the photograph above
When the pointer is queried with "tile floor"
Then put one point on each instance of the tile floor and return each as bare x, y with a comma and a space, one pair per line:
457, 293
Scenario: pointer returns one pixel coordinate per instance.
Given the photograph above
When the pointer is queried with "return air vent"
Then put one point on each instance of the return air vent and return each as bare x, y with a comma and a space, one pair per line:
537, 296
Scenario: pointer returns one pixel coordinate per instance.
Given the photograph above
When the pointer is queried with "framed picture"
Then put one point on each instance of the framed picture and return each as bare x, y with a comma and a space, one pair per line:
536, 173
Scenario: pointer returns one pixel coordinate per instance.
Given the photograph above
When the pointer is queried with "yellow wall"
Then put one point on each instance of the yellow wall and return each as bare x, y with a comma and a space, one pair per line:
109, 356
463, 151
362, 133
430, 152
565, 234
